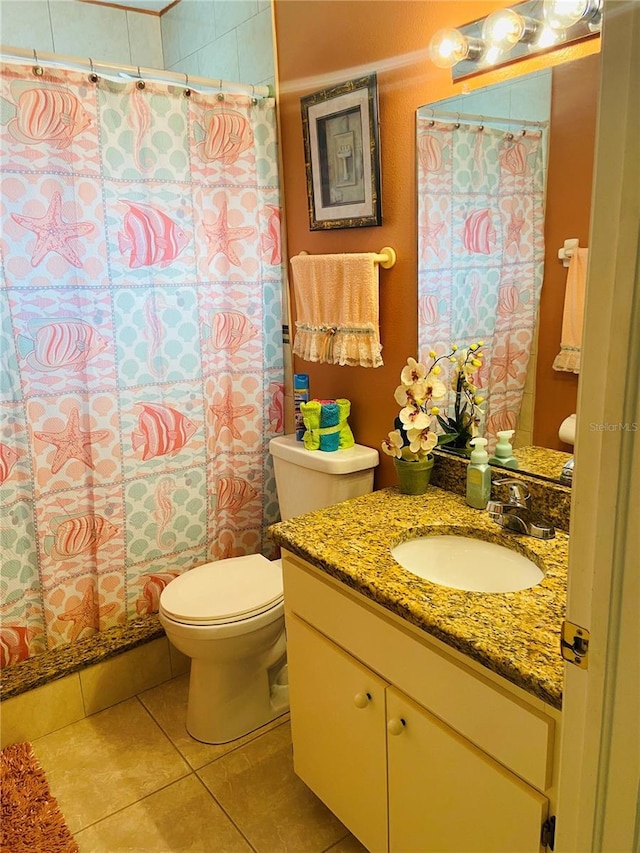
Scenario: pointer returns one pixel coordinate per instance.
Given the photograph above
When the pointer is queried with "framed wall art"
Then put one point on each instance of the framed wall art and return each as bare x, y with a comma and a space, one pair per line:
342, 155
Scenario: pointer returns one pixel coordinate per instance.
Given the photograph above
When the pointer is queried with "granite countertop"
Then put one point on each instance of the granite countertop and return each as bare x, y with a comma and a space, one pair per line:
514, 634
541, 460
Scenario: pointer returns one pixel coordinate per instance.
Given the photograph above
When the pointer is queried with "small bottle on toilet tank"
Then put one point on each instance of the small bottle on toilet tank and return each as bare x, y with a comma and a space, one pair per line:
300, 395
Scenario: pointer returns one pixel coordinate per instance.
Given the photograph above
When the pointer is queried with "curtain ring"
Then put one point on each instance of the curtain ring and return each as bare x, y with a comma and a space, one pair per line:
187, 90
254, 100
457, 124
140, 84
481, 125
93, 77
38, 70
220, 93
523, 132
432, 122
510, 136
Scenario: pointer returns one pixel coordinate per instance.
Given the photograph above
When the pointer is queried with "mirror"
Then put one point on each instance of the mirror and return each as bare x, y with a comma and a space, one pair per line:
559, 105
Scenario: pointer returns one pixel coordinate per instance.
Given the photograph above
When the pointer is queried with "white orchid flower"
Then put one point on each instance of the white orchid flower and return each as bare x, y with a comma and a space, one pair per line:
403, 395
421, 440
435, 388
413, 372
413, 417
392, 445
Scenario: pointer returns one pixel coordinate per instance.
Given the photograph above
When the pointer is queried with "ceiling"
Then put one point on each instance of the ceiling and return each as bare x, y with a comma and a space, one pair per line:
153, 6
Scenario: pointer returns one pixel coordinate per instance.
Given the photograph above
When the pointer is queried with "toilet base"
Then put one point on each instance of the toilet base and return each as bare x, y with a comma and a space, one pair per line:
226, 703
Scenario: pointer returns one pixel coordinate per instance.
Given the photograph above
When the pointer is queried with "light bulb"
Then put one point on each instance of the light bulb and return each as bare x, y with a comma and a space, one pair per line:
547, 37
565, 13
505, 28
450, 46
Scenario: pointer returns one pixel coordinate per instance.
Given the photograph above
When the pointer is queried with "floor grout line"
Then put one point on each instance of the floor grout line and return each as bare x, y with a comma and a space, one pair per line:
225, 812
187, 770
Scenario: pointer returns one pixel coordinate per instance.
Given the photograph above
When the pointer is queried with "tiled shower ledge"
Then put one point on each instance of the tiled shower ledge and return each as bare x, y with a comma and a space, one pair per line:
65, 660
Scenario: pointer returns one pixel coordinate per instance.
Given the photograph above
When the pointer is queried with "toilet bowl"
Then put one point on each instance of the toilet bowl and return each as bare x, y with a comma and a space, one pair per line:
228, 616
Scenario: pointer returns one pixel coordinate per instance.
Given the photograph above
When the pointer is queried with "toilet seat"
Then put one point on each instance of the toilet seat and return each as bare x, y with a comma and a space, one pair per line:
224, 592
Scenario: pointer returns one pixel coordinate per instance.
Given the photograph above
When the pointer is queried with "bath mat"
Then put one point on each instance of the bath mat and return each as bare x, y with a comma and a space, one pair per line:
30, 818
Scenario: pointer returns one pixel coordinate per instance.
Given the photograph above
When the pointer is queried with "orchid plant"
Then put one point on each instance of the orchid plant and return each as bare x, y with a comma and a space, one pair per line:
415, 434
464, 425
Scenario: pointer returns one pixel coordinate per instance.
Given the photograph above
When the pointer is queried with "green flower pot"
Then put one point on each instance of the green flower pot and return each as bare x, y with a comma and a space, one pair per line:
413, 477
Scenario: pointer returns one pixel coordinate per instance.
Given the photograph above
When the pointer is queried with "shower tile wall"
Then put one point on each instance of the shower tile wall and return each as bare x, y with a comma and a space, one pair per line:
51, 706
227, 39
70, 28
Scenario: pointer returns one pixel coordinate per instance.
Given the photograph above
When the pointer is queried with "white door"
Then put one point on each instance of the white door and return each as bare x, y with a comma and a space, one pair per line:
600, 757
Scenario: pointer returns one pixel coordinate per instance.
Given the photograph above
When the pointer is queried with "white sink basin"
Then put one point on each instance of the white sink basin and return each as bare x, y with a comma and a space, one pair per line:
463, 563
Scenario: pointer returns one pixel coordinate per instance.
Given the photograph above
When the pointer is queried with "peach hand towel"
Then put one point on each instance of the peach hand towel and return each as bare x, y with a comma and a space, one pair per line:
568, 359
337, 314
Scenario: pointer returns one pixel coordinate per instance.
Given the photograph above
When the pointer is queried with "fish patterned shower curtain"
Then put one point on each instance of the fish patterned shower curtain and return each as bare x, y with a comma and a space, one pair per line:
481, 261
141, 345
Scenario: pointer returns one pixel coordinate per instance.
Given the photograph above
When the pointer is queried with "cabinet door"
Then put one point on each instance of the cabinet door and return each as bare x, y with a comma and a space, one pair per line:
446, 795
338, 730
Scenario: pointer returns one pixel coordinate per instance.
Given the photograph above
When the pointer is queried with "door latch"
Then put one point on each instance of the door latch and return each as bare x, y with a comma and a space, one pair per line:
574, 644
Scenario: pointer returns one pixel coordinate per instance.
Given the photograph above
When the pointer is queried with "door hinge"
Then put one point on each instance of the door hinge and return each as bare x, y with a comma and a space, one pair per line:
574, 644
548, 838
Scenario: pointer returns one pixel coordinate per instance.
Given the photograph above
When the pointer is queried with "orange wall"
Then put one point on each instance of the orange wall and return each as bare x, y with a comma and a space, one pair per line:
574, 105
324, 42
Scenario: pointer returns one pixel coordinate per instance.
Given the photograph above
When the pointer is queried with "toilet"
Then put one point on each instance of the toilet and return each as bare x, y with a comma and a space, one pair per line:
228, 616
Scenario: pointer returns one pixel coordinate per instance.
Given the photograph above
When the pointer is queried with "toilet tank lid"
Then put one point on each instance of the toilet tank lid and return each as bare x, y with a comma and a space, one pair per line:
224, 591
356, 458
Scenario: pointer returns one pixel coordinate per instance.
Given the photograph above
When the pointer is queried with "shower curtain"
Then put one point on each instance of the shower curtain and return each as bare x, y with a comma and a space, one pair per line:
481, 237
142, 372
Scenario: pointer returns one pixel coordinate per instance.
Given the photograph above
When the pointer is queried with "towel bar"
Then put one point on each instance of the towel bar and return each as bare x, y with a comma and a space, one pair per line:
564, 254
386, 257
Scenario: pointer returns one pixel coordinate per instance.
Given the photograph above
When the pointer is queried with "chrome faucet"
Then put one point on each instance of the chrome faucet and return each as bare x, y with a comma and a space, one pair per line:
516, 514
566, 477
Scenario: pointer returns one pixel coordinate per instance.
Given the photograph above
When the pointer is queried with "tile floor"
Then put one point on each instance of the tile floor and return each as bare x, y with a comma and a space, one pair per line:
130, 778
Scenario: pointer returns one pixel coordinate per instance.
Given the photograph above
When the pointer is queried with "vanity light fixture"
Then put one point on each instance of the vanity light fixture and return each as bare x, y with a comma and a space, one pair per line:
509, 34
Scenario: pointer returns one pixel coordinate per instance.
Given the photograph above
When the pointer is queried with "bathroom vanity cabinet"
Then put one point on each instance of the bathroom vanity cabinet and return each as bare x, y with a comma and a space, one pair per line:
413, 746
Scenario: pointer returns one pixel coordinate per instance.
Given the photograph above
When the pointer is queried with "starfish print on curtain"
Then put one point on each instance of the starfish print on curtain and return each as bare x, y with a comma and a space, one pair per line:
513, 229
86, 614
221, 235
54, 233
225, 414
72, 442
506, 361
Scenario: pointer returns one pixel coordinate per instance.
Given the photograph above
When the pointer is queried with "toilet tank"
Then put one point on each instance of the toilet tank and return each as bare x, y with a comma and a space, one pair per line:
312, 479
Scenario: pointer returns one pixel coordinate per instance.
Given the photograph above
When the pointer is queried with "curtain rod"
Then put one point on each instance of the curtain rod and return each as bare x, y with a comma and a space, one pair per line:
128, 72
492, 119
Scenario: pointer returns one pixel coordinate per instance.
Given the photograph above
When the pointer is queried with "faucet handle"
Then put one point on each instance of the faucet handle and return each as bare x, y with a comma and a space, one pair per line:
518, 493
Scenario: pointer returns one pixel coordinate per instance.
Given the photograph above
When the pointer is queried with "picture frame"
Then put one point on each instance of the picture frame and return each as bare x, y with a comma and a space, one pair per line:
342, 155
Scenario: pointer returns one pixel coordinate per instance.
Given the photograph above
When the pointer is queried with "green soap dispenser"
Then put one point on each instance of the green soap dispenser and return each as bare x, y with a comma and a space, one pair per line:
478, 475
503, 453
